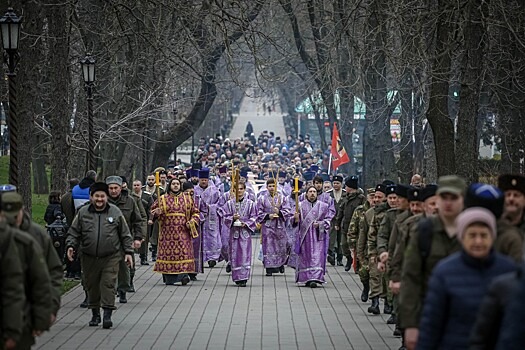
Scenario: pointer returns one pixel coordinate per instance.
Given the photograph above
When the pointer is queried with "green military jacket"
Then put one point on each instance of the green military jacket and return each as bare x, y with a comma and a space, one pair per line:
375, 223
37, 283
362, 241
355, 224
333, 222
100, 233
385, 229
394, 236
12, 293
53, 262
396, 260
509, 241
132, 213
347, 205
416, 272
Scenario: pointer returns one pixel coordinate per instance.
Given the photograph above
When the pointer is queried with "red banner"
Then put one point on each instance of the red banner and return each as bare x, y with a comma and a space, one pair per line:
339, 155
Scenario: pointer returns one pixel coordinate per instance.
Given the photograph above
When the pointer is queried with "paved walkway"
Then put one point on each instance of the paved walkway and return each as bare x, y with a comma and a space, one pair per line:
252, 111
213, 313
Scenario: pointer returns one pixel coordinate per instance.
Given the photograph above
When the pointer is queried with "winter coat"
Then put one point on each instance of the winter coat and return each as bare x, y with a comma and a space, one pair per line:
456, 288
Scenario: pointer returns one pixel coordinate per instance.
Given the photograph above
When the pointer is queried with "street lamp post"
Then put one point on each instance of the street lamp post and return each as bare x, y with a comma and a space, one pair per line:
88, 73
10, 28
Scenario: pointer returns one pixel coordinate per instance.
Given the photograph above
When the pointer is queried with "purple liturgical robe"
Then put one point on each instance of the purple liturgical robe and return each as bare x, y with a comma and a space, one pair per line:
293, 236
273, 231
208, 200
311, 246
240, 243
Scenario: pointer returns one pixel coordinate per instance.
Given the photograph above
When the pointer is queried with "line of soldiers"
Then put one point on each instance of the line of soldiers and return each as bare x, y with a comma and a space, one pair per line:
401, 232
30, 274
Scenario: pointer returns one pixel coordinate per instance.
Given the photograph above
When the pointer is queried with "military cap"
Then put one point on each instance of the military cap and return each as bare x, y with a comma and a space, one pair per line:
99, 186
338, 178
402, 190
113, 179
370, 190
390, 189
451, 184
11, 204
485, 196
428, 191
512, 182
352, 182
380, 188
415, 194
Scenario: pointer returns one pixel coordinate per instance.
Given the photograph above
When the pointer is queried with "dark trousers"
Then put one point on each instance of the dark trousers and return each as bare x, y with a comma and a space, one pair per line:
100, 277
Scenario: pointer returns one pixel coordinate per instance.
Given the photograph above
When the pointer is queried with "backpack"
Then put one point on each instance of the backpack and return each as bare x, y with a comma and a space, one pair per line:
424, 240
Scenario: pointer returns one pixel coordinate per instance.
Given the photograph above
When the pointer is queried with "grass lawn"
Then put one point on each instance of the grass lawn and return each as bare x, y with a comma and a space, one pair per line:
39, 203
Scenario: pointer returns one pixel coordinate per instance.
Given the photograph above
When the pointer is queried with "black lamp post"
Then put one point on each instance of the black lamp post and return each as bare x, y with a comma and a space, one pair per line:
10, 28
88, 72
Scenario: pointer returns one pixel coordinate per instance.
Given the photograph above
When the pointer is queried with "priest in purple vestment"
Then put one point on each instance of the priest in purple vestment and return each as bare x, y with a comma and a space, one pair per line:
313, 220
197, 242
273, 209
241, 219
207, 198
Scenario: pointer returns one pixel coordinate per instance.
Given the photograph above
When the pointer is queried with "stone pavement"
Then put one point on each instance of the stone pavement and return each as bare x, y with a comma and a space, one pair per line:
252, 110
213, 313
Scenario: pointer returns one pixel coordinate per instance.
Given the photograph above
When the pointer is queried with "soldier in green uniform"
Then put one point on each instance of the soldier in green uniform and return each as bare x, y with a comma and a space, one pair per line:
377, 277
423, 253
101, 233
358, 242
146, 200
20, 219
12, 294
131, 212
38, 311
334, 246
350, 201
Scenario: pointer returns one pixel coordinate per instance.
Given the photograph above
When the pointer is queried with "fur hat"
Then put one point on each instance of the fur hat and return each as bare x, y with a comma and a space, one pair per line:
99, 186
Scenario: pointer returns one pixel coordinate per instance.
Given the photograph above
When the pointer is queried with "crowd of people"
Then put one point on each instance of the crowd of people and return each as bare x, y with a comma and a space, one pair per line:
445, 259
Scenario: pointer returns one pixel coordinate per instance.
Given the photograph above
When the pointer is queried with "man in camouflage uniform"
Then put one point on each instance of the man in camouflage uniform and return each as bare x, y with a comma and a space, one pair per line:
129, 206
352, 200
358, 242
146, 200
442, 242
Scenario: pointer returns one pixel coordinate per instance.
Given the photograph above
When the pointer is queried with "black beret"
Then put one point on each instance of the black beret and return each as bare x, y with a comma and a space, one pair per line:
99, 186
402, 190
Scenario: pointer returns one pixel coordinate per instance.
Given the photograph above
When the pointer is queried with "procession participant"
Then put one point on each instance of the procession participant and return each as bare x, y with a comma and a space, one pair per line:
334, 247
147, 201
313, 218
240, 215
187, 187
179, 219
347, 205
134, 219
293, 231
101, 234
207, 199
357, 235
514, 211
273, 209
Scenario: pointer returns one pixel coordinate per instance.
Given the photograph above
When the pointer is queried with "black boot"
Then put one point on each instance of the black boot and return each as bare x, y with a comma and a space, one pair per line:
397, 332
387, 309
364, 293
131, 277
228, 268
212, 263
374, 308
106, 322
144, 260
349, 262
339, 259
95, 318
392, 319
84, 304
281, 269
269, 272
330, 258
193, 276
122, 298
153, 252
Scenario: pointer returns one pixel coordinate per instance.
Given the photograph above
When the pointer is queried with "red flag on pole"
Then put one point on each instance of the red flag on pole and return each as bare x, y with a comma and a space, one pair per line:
339, 155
